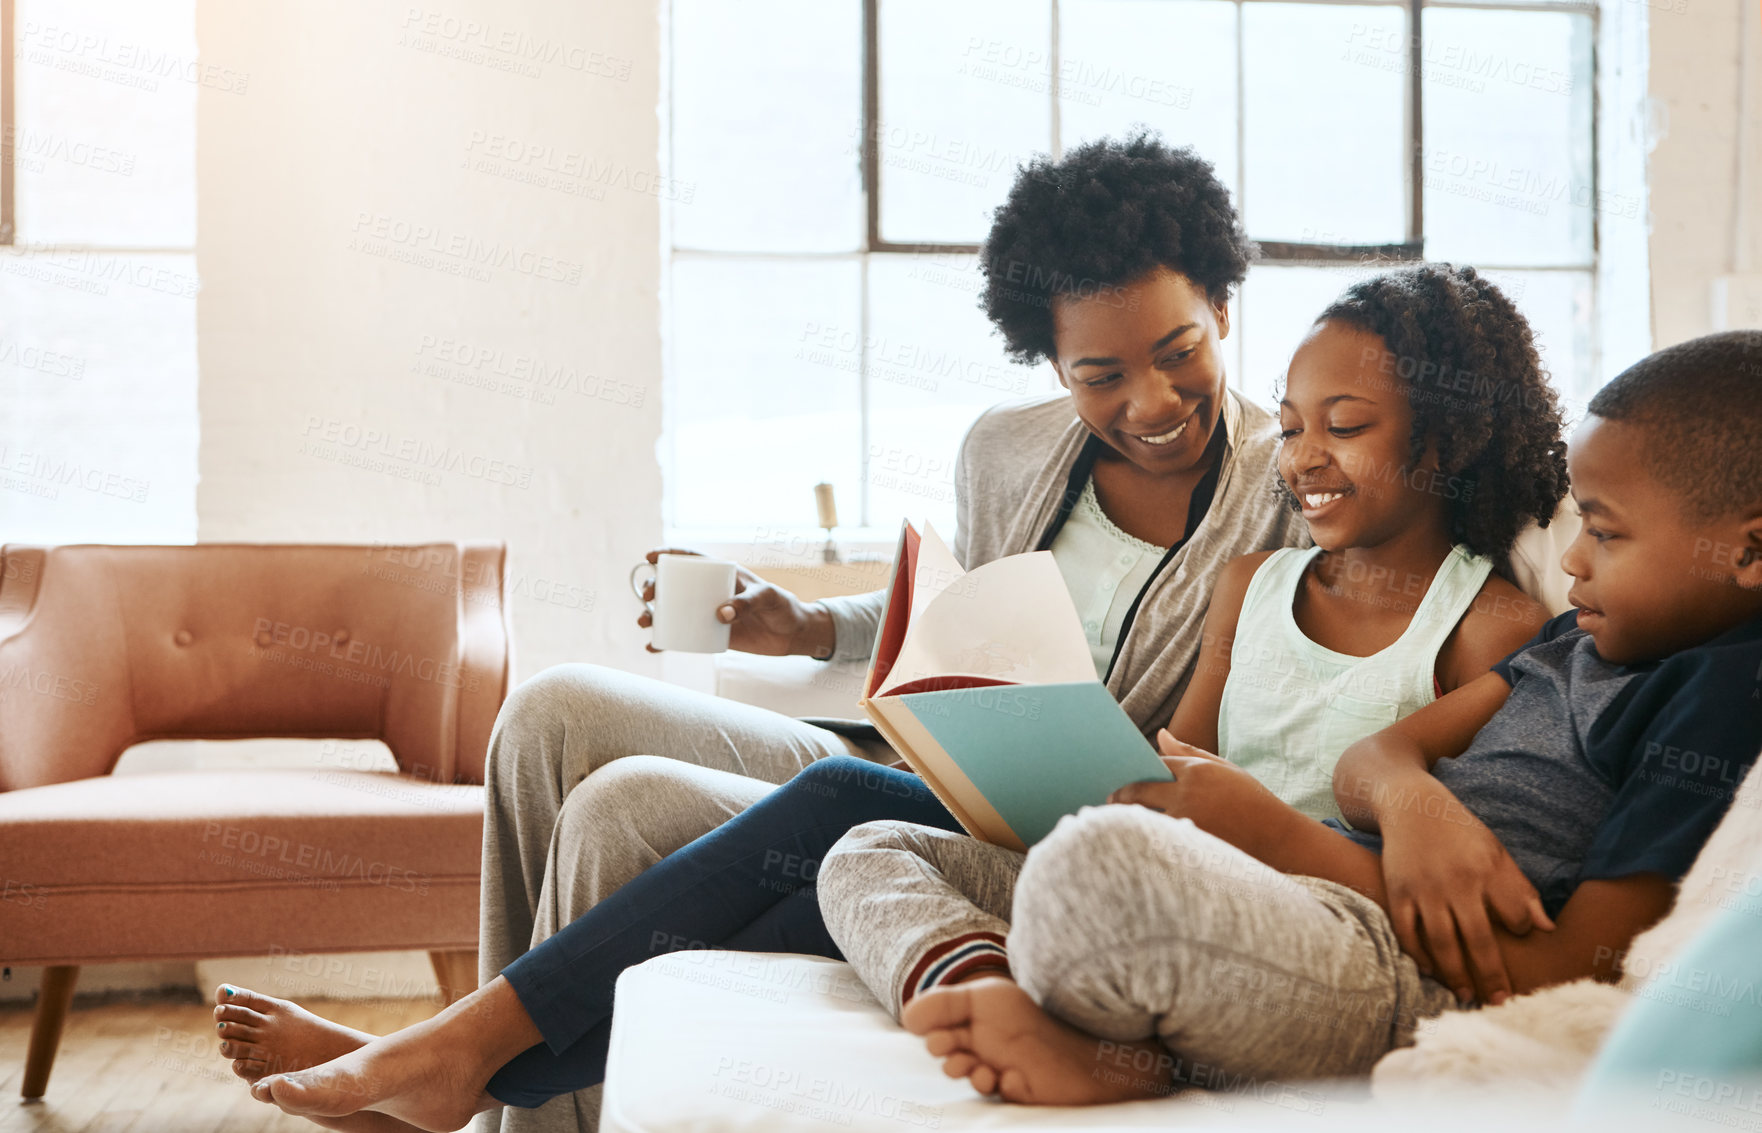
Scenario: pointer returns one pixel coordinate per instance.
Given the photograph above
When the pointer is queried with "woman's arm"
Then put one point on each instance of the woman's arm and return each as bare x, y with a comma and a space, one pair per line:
1195, 719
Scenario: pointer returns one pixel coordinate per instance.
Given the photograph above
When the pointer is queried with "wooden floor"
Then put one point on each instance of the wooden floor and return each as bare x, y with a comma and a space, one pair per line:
154, 1067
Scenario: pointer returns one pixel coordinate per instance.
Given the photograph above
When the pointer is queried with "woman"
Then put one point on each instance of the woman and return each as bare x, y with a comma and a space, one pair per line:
1116, 264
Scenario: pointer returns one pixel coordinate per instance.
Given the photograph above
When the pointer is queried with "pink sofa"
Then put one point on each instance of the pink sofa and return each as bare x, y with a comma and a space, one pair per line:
102, 647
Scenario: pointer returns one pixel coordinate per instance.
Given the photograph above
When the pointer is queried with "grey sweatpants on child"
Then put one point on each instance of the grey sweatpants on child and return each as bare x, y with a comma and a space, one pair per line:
1129, 925
593, 775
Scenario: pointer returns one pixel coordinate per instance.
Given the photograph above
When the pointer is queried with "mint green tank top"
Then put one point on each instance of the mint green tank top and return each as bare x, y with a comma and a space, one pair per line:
1292, 706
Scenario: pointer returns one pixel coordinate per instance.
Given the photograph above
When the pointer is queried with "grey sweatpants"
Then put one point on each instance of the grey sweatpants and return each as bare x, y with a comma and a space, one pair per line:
1130, 925
594, 775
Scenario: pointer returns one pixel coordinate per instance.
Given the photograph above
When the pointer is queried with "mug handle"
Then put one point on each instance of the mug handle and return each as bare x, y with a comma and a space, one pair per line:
636, 586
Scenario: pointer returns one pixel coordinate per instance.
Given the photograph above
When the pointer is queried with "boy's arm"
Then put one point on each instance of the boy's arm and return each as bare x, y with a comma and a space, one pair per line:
1592, 933
1590, 937
1447, 878
1195, 720
1386, 771
1389, 769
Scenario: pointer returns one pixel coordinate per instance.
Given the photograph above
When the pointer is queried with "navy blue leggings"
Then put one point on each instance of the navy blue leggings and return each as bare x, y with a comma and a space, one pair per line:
747, 886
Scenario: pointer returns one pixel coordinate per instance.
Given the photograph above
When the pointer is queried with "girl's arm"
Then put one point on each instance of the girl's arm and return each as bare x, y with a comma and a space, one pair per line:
1195, 718
1501, 620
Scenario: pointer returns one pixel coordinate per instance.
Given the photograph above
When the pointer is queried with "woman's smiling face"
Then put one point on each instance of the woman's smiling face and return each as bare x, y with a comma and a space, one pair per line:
1144, 367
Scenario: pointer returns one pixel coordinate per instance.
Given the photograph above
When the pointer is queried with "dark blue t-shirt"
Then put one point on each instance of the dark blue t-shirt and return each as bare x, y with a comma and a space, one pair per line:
1591, 770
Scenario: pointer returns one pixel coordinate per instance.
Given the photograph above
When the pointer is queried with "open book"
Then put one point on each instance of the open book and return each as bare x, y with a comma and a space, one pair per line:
983, 682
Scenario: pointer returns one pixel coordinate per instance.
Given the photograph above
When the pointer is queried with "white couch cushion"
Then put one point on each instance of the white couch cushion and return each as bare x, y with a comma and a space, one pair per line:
729, 1041
732, 1041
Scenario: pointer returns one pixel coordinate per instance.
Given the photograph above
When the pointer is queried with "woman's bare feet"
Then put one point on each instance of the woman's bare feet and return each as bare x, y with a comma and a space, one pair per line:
431, 1075
991, 1033
265, 1035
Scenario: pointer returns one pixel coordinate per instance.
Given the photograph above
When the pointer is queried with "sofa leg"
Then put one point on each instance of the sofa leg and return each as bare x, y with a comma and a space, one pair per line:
53, 1000
456, 972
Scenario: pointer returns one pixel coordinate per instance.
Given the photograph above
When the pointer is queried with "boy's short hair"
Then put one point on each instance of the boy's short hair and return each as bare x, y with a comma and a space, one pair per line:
1700, 405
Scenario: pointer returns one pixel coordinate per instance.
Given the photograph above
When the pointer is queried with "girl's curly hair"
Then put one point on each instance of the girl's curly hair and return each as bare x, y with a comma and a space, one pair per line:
1480, 397
1102, 216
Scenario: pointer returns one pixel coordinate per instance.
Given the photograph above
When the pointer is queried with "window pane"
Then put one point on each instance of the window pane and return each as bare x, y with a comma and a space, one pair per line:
933, 364
964, 98
1508, 137
1278, 306
761, 403
767, 102
1176, 73
1323, 123
105, 139
98, 376
1280, 303
1558, 307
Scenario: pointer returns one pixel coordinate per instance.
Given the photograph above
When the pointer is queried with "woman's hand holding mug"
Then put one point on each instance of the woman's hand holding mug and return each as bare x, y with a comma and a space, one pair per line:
761, 618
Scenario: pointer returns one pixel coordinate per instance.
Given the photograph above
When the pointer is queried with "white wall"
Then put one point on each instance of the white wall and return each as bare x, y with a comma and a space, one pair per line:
1704, 126
368, 134
379, 285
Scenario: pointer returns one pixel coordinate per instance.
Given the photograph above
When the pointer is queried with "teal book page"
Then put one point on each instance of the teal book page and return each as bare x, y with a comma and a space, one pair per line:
1038, 752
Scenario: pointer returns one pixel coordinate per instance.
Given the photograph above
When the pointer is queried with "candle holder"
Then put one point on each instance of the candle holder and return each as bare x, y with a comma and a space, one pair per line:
828, 509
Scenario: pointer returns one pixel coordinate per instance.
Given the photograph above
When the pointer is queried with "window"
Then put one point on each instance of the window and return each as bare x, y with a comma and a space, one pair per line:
822, 310
98, 270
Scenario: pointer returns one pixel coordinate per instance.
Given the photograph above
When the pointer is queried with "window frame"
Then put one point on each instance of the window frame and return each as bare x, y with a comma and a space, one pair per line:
1296, 252
1277, 253
8, 122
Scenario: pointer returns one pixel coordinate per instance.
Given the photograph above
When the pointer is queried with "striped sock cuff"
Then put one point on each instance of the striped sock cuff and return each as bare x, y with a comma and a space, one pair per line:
955, 958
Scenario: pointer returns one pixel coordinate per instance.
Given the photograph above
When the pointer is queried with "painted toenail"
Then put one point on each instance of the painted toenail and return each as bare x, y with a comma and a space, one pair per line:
220, 1026
227, 988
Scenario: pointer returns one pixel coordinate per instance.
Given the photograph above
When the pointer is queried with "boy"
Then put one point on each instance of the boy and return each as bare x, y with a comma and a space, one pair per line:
1211, 933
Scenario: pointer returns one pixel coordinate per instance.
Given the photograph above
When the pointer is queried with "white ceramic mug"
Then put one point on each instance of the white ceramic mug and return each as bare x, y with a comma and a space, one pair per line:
688, 591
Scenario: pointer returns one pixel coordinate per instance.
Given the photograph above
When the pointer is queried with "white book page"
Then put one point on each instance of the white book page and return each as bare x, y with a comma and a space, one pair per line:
1011, 619
937, 570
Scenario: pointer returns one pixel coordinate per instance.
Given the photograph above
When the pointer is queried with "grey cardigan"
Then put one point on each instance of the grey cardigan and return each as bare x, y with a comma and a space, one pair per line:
1015, 463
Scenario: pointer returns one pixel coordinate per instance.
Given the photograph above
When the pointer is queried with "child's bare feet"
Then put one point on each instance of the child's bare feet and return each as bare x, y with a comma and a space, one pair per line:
431, 1075
991, 1033
265, 1035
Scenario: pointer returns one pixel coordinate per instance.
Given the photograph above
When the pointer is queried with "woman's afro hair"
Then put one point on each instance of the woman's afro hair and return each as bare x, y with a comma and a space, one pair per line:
1479, 395
1102, 216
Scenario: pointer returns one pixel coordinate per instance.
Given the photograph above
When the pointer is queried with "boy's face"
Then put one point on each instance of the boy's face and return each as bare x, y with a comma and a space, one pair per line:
1346, 428
1145, 367
1650, 579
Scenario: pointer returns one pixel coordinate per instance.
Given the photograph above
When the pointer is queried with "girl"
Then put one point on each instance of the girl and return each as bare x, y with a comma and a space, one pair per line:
1414, 491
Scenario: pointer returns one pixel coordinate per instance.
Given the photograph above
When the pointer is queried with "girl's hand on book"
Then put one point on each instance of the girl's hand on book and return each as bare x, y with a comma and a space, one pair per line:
1447, 876
1218, 796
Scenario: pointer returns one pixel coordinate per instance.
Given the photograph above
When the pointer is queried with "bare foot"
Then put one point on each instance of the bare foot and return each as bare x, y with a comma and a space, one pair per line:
991, 1033
265, 1035
431, 1075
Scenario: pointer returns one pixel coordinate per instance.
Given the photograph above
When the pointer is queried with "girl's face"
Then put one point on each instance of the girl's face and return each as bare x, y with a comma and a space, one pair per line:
1347, 430
1144, 367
